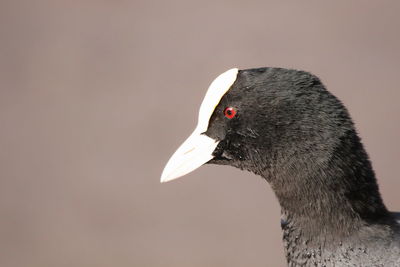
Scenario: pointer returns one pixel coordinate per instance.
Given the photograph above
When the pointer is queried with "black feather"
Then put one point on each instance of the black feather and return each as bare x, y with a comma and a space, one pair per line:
291, 131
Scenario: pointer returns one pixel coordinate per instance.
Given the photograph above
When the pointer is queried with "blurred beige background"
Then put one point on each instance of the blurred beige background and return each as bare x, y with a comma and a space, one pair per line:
96, 95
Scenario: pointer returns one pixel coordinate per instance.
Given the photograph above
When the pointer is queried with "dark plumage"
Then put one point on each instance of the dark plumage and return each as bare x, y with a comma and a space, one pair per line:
292, 132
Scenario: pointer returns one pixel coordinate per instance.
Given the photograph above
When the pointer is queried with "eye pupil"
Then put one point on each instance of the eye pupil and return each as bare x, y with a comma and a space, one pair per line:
230, 112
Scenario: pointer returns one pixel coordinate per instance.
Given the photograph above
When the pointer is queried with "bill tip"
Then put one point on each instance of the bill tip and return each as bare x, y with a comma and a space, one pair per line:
166, 177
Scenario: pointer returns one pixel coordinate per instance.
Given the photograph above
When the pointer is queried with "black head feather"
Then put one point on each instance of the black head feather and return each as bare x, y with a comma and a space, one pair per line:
291, 131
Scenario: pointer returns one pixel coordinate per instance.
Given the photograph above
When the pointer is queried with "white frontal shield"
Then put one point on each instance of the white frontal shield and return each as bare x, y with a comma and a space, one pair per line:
198, 148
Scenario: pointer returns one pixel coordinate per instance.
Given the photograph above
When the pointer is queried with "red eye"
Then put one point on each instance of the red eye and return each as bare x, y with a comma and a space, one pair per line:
229, 112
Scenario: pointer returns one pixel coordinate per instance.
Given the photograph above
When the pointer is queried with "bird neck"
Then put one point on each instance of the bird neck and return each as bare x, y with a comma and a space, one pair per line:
329, 198
314, 216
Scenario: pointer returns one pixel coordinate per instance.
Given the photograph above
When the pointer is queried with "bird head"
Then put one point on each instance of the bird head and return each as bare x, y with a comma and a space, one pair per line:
259, 120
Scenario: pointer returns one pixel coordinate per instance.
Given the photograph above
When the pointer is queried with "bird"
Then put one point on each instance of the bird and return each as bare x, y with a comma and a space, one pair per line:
285, 126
